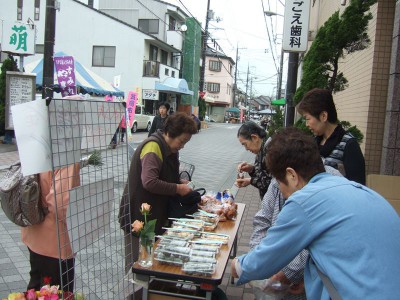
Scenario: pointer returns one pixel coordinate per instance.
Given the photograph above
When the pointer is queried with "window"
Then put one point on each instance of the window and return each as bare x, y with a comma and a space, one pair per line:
230, 69
39, 49
228, 88
213, 87
153, 55
166, 72
215, 65
148, 26
103, 56
172, 23
19, 10
172, 73
37, 10
164, 57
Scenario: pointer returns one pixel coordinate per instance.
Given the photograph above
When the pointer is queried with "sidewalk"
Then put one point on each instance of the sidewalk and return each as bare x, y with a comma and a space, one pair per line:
14, 258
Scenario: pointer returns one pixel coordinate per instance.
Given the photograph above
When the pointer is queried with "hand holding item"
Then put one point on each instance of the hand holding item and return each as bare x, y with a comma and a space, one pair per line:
245, 167
242, 182
234, 273
183, 189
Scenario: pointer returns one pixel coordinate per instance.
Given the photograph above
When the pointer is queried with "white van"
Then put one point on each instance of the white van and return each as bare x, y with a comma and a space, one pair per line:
141, 121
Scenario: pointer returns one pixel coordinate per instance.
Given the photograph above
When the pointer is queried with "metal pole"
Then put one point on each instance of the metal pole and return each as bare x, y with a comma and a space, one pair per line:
204, 49
236, 66
49, 40
279, 89
291, 87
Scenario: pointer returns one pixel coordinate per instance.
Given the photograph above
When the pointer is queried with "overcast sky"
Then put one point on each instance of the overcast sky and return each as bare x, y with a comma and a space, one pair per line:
243, 24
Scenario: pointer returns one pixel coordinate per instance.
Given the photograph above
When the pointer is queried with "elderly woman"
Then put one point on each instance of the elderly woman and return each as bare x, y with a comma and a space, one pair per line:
254, 139
154, 178
339, 148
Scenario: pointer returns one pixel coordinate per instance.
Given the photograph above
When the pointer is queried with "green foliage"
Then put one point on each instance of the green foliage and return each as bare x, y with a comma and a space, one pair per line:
339, 36
95, 159
202, 108
8, 65
276, 121
301, 124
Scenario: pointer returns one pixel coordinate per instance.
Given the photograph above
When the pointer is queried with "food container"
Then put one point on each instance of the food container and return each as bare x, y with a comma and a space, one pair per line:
223, 238
202, 269
209, 248
180, 233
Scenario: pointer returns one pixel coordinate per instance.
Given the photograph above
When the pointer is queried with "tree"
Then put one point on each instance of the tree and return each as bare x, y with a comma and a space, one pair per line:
202, 108
276, 121
8, 65
339, 36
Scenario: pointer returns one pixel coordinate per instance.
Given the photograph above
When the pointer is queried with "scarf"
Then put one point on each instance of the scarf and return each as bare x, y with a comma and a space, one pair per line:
331, 142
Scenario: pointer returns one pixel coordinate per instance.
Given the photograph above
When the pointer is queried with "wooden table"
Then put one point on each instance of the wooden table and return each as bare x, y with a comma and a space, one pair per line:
172, 274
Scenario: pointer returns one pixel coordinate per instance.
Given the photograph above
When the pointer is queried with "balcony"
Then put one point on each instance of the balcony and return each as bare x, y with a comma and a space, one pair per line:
151, 68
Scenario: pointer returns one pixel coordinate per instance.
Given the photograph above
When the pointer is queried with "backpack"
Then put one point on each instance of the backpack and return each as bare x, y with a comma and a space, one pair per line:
20, 197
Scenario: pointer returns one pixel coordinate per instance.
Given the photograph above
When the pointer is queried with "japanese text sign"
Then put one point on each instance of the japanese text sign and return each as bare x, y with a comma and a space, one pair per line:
150, 94
65, 69
18, 38
295, 29
131, 102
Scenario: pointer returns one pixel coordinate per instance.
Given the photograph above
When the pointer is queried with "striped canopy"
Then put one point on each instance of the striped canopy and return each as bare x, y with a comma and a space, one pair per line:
87, 81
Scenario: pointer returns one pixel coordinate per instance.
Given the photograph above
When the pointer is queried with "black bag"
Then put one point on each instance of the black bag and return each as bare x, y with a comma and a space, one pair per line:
181, 206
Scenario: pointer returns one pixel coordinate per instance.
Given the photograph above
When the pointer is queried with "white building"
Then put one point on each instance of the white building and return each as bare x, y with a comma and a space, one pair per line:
114, 49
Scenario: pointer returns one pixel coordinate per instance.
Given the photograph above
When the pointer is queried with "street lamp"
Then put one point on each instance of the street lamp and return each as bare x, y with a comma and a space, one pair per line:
279, 89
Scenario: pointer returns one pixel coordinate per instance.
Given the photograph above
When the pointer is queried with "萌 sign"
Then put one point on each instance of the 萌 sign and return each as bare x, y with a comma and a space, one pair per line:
295, 28
18, 38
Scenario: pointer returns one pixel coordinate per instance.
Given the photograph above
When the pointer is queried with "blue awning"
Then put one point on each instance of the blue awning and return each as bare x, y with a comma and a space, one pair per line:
87, 80
174, 86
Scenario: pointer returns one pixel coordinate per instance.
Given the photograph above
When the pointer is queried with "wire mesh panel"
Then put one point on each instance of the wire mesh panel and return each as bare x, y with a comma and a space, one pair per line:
88, 180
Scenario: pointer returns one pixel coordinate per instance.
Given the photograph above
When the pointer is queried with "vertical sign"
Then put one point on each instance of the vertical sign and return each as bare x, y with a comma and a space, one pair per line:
18, 38
295, 28
20, 88
131, 102
65, 69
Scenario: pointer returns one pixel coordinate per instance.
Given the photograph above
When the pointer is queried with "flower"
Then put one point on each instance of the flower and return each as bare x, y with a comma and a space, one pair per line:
47, 292
145, 229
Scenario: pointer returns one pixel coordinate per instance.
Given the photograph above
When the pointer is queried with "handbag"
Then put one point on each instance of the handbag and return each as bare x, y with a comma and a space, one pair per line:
181, 206
20, 197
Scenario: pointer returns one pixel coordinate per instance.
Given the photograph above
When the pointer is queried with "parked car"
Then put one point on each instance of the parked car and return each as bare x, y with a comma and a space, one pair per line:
142, 121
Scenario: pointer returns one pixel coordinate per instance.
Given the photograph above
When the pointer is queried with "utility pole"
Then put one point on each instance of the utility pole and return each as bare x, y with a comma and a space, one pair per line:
236, 67
49, 40
204, 49
279, 89
291, 87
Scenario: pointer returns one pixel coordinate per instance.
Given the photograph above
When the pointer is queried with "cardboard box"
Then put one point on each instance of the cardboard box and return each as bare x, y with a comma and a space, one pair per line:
388, 186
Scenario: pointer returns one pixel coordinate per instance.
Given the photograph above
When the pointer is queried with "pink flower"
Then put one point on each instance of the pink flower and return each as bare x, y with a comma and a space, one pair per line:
54, 289
137, 226
145, 209
31, 294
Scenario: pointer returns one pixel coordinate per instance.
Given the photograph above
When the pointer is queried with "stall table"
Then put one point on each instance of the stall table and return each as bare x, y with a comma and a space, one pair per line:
170, 282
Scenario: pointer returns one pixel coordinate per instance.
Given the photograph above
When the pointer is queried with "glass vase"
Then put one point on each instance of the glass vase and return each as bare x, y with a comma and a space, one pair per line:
146, 252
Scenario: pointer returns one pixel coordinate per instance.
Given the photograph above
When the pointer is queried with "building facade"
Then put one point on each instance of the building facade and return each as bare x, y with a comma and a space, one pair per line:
371, 101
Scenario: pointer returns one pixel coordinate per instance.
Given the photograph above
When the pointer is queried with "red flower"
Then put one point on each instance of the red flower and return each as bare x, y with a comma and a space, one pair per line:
47, 280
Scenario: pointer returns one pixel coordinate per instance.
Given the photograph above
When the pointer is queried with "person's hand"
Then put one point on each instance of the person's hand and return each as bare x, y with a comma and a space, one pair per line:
183, 189
184, 181
234, 274
245, 167
242, 182
281, 277
294, 289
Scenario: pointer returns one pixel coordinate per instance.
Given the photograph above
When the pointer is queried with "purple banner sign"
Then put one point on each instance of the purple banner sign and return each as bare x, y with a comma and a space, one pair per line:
65, 69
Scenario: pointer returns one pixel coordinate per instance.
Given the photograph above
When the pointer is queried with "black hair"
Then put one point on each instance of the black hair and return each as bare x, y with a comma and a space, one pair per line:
249, 128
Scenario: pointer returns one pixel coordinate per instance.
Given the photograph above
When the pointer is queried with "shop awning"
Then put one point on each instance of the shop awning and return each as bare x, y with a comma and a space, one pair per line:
174, 86
281, 101
86, 80
233, 110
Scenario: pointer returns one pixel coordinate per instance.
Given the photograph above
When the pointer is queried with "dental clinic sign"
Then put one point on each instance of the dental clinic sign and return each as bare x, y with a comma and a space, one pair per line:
18, 38
295, 28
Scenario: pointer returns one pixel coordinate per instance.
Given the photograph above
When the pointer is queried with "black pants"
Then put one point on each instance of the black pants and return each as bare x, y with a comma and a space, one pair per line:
45, 266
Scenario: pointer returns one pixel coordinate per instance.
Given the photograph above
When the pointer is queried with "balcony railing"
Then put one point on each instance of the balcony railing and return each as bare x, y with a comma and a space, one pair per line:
151, 68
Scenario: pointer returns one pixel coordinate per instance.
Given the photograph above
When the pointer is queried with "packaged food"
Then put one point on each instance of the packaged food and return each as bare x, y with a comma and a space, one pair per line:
202, 269
209, 248
201, 253
224, 238
186, 234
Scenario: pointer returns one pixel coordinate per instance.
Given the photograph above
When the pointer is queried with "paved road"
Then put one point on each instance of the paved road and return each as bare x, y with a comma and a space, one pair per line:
215, 153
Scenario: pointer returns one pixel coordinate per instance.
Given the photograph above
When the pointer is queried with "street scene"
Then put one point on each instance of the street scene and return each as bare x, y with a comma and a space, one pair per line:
215, 149
215, 152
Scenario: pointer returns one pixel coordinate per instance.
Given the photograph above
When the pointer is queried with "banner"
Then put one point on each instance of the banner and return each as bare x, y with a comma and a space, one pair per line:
65, 69
131, 102
109, 98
